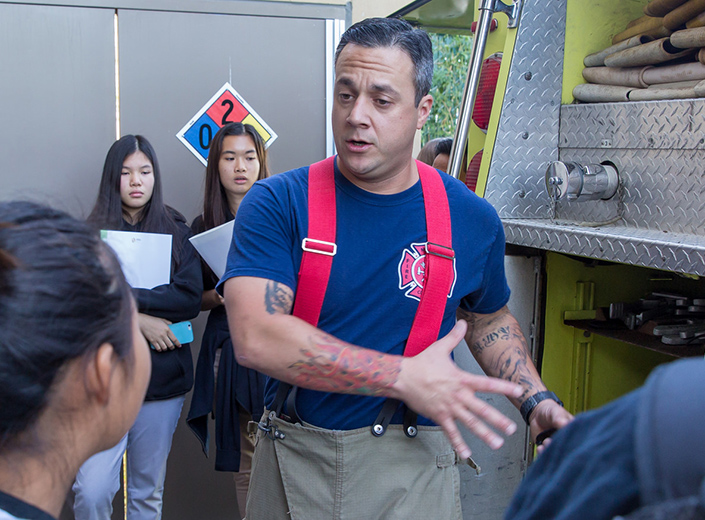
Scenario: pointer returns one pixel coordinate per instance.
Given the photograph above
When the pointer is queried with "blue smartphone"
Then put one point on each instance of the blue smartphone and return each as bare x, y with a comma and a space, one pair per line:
183, 332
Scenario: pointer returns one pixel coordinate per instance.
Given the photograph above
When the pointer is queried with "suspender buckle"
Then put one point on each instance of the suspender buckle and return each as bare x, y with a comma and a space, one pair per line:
319, 246
439, 250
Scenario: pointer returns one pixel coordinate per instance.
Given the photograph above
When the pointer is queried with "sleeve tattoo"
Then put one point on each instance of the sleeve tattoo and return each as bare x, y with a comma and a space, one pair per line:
330, 365
501, 344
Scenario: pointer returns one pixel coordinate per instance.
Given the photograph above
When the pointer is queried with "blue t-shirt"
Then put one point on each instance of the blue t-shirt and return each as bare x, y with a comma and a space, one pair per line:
372, 294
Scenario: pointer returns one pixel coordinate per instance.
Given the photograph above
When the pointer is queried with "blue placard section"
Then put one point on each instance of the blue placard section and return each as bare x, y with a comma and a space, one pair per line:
201, 134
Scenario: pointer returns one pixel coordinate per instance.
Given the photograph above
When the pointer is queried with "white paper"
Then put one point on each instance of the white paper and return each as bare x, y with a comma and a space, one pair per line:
145, 258
213, 245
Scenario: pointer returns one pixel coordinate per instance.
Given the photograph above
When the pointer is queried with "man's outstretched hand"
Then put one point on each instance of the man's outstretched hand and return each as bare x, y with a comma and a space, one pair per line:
432, 385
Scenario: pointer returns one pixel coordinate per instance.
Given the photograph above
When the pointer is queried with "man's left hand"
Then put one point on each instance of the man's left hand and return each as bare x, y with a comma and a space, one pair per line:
548, 415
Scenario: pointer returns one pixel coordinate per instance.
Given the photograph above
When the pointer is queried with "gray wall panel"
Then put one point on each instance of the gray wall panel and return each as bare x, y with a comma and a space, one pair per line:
285, 9
171, 64
487, 495
57, 100
190, 57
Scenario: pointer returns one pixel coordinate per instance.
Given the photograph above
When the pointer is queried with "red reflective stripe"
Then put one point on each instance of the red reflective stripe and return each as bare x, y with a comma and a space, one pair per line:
315, 268
440, 271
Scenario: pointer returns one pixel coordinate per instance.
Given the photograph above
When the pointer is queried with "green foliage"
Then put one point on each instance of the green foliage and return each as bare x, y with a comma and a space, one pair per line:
451, 55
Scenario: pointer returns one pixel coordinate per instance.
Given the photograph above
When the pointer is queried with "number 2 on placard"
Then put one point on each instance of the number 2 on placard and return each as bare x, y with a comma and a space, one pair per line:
227, 112
205, 133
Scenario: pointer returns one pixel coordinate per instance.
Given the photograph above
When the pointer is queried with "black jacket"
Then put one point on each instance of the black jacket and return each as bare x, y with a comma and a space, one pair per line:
180, 300
235, 384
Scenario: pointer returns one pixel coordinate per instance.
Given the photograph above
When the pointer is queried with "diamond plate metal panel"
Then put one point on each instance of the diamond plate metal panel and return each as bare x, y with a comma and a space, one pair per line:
527, 137
647, 248
646, 125
663, 190
658, 147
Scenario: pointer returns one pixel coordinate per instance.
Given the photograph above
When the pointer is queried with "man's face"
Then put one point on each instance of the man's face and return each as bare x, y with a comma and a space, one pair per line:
374, 115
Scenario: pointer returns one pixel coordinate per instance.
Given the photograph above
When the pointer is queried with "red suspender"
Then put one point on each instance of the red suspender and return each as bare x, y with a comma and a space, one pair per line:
439, 262
319, 248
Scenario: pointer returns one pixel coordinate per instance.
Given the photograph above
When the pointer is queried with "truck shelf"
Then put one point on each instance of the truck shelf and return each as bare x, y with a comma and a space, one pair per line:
637, 338
678, 252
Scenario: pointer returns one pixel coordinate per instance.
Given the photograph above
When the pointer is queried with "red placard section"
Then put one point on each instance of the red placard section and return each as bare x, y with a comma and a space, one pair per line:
227, 109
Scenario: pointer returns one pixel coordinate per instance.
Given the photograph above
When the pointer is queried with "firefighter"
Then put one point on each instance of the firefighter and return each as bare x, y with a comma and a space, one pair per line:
405, 236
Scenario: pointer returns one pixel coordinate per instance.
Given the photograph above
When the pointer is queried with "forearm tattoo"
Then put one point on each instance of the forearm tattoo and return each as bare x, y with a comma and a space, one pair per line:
330, 365
278, 298
489, 340
513, 366
499, 341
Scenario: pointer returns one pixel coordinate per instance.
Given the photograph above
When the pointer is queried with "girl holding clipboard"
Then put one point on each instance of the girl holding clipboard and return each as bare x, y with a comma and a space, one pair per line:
237, 159
130, 199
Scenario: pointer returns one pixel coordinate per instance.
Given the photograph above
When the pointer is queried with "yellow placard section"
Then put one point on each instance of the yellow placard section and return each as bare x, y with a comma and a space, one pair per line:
250, 120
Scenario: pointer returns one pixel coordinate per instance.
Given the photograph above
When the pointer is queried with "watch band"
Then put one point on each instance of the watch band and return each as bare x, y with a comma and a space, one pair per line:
528, 406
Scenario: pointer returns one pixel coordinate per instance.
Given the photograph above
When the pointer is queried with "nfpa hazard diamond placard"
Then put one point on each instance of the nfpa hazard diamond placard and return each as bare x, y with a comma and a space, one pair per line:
226, 106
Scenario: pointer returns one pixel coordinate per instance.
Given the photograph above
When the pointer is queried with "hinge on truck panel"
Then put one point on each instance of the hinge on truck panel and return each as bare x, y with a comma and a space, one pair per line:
582, 350
512, 11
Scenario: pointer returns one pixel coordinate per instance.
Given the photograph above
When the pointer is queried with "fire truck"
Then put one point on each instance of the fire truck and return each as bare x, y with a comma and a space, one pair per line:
602, 202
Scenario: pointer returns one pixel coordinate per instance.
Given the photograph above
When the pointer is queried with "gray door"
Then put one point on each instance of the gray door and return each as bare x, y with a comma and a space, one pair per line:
57, 102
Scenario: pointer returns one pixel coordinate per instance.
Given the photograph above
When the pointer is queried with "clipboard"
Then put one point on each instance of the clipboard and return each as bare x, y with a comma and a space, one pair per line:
214, 245
145, 258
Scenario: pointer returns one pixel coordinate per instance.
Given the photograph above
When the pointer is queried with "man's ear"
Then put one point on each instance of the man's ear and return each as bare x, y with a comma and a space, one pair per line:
99, 371
424, 110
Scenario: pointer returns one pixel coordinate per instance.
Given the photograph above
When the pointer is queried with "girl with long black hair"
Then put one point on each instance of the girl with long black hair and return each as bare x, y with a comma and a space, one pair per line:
130, 199
237, 159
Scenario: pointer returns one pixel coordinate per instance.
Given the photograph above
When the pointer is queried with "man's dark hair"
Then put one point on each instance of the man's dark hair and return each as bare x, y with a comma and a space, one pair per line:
393, 32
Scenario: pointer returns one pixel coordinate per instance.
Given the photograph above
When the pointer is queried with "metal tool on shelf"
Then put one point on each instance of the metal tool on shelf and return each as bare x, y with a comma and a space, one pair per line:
677, 319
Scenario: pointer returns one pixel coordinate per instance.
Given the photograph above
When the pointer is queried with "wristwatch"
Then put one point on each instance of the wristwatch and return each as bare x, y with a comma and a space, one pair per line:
527, 407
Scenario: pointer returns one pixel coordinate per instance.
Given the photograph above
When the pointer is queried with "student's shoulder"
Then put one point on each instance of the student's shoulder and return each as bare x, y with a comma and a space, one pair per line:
182, 227
198, 225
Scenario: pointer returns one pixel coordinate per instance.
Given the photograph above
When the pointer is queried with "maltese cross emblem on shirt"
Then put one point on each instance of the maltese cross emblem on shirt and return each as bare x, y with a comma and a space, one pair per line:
412, 271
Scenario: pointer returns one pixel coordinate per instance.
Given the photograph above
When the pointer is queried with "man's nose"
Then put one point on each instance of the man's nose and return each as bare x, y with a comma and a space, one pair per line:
359, 114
